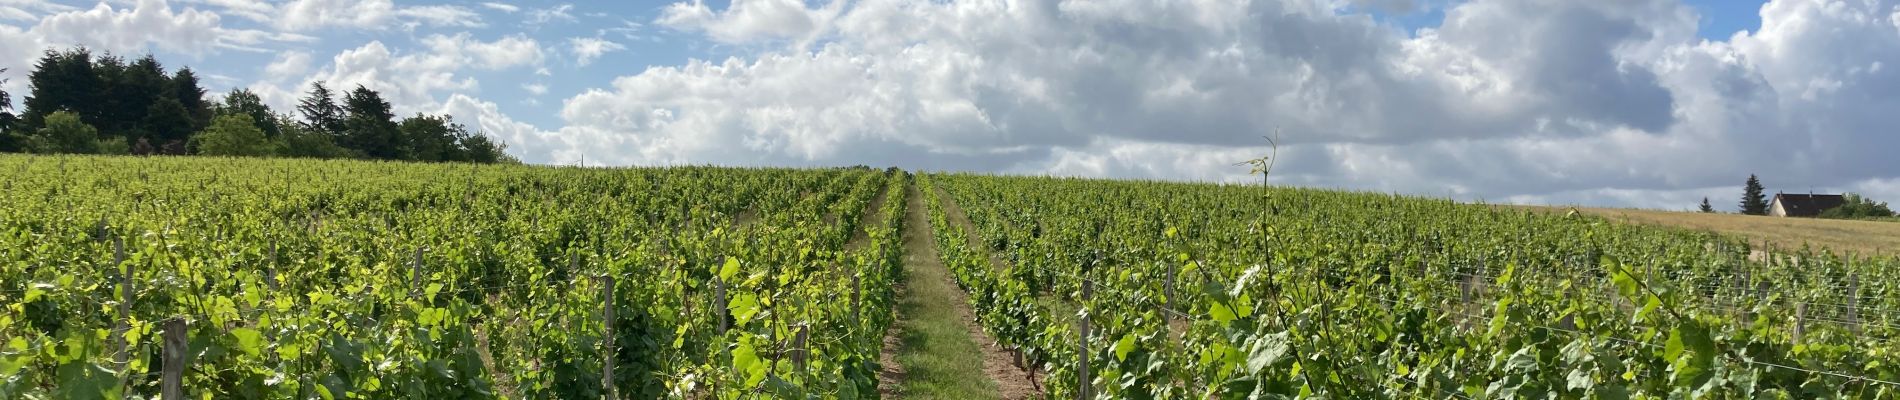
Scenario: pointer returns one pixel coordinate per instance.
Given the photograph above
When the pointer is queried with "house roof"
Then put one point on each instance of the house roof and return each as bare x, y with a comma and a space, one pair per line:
1808, 205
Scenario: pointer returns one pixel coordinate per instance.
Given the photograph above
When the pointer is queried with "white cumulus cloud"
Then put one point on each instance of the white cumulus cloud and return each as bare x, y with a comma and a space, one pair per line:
586, 50
1583, 100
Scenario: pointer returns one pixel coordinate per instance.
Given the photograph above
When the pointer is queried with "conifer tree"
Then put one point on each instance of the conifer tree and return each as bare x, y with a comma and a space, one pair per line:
1753, 201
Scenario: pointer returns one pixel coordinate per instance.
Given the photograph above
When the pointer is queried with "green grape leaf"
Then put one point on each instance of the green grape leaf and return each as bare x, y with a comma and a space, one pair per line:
745, 358
1625, 284
743, 306
250, 341
1266, 350
1691, 351
1650, 305
1524, 360
729, 269
1220, 313
1123, 346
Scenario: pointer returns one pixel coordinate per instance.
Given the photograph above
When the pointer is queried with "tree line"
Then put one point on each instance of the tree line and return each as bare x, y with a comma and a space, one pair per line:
82, 103
1854, 206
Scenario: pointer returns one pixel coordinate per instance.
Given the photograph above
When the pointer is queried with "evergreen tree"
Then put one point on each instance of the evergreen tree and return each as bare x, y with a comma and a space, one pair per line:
369, 126
167, 122
132, 90
7, 119
320, 112
233, 135
1706, 207
1753, 201
62, 81
247, 103
185, 88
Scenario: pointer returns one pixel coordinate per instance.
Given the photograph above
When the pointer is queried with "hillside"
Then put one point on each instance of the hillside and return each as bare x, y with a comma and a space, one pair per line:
354, 279
1861, 237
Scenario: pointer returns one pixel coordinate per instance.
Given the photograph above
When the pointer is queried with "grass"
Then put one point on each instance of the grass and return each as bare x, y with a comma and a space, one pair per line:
940, 359
1855, 236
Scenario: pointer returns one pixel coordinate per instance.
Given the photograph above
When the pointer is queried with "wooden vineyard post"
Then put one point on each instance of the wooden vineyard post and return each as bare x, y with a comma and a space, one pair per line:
1748, 282
1800, 321
415, 274
857, 291
1084, 390
800, 353
172, 381
719, 304
1168, 288
1853, 303
607, 325
122, 354
270, 269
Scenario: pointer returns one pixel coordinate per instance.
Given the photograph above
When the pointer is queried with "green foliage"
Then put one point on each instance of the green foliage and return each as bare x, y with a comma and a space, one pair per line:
297, 278
233, 135
64, 133
1754, 201
246, 102
64, 81
294, 140
167, 121
1322, 294
368, 127
320, 112
8, 120
114, 146
431, 138
1705, 207
132, 92
139, 108
1859, 207
191, 97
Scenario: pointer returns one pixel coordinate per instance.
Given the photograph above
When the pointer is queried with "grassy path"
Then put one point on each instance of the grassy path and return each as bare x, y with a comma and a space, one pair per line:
935, 350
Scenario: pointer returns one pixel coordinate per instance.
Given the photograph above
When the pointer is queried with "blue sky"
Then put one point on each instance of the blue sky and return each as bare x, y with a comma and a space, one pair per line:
1651, 103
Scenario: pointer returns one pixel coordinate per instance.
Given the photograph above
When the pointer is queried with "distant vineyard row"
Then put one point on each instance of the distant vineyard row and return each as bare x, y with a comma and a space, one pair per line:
1244, 292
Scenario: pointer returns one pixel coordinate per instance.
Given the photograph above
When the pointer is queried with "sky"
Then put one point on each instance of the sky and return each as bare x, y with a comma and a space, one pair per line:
1638, 103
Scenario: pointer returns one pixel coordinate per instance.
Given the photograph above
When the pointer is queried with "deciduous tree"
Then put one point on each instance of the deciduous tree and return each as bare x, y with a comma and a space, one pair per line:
65, 133
233, 135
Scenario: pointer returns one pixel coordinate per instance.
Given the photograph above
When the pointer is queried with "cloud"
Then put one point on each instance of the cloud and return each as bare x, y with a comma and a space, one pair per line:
313, 14
586, 50
750, 20
507, 52
412, 80
143, 26
255, 10
502, 7
1593, 101
288, 65
535, 88
305, 15
542, 16
442, 16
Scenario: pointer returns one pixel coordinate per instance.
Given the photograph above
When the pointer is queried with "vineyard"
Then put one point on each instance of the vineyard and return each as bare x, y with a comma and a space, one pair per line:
1162, 290
342, 279
232, 278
